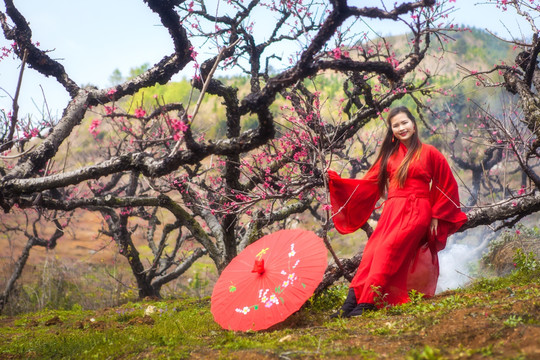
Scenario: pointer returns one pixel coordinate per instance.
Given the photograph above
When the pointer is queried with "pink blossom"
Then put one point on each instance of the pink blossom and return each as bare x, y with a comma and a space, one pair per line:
94, 126
33, 133
140, 112
336, 53
193, 53
182, 127
392, 60
109, 109
179, 125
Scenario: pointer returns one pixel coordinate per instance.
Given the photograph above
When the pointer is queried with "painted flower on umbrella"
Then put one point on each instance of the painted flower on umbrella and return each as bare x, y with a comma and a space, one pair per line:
262, 295
272, 299
292, 253
267, 301
244, 311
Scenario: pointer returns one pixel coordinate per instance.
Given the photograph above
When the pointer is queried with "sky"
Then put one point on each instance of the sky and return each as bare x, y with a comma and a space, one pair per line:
93, 38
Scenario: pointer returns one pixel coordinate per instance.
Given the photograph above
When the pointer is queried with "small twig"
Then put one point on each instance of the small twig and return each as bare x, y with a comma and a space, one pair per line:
205, 87
209, 77
18, 155
470, 277
15, 99
120, 282
19, 84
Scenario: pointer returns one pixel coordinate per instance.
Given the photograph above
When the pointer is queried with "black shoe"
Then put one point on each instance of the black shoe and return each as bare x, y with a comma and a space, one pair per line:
347, 307
361, 308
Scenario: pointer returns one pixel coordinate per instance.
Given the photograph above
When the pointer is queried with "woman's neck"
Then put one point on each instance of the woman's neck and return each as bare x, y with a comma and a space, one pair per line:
406, 143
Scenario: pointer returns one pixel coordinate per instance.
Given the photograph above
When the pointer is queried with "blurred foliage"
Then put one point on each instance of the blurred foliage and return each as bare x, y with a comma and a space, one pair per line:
512, 249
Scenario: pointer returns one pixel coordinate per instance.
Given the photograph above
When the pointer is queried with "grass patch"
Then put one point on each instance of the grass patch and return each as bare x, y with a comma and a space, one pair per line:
490, 319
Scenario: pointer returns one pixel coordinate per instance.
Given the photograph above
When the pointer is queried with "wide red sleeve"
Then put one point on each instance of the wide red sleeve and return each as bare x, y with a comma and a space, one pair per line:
352, 200
444, 197
445, 206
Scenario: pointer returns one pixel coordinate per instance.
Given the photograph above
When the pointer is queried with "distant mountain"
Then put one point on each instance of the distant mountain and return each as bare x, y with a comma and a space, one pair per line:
453, 56
449, 59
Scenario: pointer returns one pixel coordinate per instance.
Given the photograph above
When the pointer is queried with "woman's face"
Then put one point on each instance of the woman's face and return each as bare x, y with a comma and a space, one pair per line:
402, 128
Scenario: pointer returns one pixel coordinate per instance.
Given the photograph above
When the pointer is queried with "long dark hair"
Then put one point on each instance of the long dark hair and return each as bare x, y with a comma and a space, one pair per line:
389, 147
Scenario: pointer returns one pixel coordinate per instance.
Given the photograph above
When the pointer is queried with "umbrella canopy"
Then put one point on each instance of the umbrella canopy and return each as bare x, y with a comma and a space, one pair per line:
269, 280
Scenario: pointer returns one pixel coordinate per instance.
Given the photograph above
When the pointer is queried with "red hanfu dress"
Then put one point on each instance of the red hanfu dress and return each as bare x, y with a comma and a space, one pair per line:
401, 254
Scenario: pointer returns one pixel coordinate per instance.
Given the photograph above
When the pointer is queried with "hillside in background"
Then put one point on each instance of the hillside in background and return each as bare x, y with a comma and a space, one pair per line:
449, 60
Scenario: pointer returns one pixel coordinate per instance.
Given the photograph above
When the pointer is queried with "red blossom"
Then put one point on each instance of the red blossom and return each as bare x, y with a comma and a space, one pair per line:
393, 61
336, 53
94, 127
109, 109
193, 53
140, 112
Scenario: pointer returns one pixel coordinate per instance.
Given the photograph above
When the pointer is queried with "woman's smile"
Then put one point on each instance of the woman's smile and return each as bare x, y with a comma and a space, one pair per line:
402, 128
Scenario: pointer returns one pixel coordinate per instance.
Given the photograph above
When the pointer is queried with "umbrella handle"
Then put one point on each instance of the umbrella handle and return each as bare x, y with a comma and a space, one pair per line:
258, 267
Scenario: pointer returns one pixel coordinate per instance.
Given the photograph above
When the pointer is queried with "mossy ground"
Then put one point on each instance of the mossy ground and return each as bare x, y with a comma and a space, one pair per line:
492, 319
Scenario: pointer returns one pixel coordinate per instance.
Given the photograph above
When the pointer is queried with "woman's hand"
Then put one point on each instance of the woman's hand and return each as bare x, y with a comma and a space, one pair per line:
433, 226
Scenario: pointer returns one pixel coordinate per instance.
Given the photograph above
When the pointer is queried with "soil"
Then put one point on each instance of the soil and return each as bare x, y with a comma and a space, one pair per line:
499, 328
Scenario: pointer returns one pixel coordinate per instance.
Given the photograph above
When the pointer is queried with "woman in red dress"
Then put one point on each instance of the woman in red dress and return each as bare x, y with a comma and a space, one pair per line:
420, 212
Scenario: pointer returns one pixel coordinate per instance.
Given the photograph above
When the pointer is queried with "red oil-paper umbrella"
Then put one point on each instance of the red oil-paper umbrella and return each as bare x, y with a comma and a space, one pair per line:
269, 280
